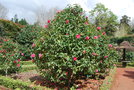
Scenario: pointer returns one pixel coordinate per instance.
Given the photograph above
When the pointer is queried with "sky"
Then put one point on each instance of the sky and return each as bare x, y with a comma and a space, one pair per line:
27, 8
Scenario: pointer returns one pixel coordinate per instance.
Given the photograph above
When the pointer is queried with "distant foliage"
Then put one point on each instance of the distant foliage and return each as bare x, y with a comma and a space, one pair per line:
70, 48
8, 28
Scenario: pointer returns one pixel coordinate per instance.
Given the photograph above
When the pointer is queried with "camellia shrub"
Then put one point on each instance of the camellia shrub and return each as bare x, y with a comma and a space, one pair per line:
71, 47
9, 56
25, 38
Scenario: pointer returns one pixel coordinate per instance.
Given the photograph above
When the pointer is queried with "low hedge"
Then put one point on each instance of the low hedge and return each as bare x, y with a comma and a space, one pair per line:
19, 85
26, 62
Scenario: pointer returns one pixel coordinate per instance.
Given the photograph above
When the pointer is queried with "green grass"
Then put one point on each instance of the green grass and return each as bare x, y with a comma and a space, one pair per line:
26, 62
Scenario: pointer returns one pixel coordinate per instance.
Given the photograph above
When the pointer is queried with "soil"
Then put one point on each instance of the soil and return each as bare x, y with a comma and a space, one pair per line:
33, 76
124, 79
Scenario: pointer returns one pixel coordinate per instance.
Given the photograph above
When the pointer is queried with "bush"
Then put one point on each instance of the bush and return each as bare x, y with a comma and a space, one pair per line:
9, 56
25, 39
8, 28
18, 84
70, 48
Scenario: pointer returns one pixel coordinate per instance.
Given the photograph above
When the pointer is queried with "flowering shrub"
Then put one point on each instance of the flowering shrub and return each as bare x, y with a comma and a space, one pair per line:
9, 56
70, 48
25, 38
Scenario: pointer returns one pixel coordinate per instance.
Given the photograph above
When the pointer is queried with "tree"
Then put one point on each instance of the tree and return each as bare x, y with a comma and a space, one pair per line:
124, 24
3, 11
15, 19
103, 17
23, 22
42, 15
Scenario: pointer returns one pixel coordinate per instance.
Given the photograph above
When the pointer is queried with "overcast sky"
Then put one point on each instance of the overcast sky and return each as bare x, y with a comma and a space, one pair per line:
26, 8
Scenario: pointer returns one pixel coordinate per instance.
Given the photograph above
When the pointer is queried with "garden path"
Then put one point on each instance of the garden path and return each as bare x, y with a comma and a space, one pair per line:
124, 79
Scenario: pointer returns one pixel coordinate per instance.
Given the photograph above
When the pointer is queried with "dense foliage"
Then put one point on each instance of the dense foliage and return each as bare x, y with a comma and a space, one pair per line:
9, 56
8, 28
70, 48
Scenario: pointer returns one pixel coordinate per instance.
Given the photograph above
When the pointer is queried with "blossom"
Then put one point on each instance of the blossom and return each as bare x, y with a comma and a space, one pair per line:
86, 17
67, 34
18, 60
58, 11
14, 62
84, 51
40, 55
22, 54
95, 37
105, 56
110, 45
33, 55
86, 23
66, 73
87, 38
18, 65
104, 33
74, 58
96, 70
67, 21
33, 45
99, 36
78, 36
46, 26
98, 28
94, 54
48, 21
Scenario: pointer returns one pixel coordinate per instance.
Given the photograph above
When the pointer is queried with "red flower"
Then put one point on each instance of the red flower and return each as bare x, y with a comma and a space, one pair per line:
48, 21
104, 33
18, 60
105, 56
110, 45
96, 70
40, 55
46, 26
78, 36
22, 54
67, 21
94, 54
18, 65
33, 45
66, 73
74, 58
33, 55
98, 28
95, 37
87, 38
99, 36
67, 34
86, 23
14, 62
58, 11
84, 51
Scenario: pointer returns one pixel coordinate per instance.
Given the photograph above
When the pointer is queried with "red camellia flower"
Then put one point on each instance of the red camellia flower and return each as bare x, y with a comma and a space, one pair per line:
33, 45
78, 36
95, 37
87, 38
33, 55
84, 51
110, 45
48, 21
94, 54
74, 58
67, 21
66, 73
22, 54
99, 36
86, 23
104, 33
105, 56
18, 60
98, 28
18, 65
40, 55
96, 70
14, 62
45, 26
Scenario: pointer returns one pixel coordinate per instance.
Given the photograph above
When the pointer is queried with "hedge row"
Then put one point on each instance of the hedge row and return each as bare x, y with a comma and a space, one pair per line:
18, 84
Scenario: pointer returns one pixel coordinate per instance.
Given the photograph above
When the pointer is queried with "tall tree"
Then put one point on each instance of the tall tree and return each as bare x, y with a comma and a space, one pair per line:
103, 17
3, 11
